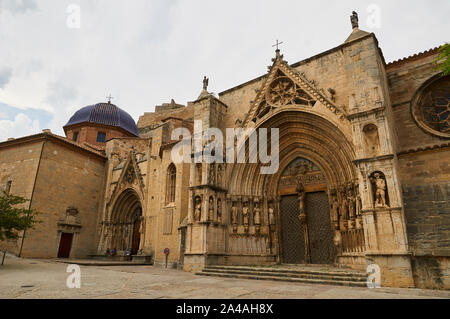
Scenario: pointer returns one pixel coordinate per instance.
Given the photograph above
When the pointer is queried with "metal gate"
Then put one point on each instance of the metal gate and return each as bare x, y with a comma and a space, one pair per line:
321, 248
320, 233
292, 235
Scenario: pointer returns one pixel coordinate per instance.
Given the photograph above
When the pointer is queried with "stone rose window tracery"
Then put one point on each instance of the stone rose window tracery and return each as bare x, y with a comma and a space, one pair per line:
431, 106
281, 91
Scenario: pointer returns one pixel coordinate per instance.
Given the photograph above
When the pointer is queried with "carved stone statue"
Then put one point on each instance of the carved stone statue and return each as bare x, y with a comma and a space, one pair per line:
211, 209
351, 203
198, 209
354, 19
271, 213
219, 211
334, 209
246, 216
301, 199
380, 185
234, 217
358, 201
344, 206
257, 215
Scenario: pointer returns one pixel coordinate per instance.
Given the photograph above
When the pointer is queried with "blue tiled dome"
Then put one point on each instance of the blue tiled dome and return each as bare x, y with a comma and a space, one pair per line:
106, 114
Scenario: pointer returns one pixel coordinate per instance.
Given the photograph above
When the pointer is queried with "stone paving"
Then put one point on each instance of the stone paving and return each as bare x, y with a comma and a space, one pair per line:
29, 278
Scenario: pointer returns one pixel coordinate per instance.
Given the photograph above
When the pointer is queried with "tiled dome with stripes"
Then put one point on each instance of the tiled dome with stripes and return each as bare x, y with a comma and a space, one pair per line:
106, 114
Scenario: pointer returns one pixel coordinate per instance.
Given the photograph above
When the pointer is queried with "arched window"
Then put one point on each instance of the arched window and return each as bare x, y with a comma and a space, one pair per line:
171, 182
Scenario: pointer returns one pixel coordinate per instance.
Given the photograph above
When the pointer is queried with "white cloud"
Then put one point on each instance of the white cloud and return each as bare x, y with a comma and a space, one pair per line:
3, 116
146, 52
18, 6
22, 125
5, 76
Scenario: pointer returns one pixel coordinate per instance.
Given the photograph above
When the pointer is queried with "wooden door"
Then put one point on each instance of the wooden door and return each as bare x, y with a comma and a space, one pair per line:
65, 245
136, 237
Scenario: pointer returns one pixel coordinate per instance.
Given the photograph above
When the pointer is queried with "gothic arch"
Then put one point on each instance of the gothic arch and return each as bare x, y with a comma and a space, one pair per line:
124, 228
302, 134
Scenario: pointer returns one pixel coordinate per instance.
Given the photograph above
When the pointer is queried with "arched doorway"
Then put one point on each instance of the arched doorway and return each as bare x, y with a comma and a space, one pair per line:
306, 228
326, 144
125, 225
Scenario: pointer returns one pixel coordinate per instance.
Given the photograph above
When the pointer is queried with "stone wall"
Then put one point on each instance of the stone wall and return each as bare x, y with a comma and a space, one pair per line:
67, 177
425, 178
18, 164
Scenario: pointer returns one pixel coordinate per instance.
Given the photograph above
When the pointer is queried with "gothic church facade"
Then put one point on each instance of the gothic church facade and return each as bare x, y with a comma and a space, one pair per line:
363, 178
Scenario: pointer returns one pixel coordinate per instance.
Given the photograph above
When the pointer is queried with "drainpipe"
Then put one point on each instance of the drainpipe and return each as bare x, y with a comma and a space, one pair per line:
32, 194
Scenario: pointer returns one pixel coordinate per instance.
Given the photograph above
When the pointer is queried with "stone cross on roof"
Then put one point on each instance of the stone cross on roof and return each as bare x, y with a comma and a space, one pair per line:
277, 44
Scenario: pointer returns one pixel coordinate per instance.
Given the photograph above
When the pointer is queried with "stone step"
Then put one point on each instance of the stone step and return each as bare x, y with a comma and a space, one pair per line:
310, 275
300, 270
351, 283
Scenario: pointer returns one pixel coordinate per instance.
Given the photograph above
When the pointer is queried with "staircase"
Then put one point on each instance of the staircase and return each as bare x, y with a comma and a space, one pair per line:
310, 274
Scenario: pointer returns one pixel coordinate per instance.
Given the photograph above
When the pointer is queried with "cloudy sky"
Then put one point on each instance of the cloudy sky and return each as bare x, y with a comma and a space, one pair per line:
146, 52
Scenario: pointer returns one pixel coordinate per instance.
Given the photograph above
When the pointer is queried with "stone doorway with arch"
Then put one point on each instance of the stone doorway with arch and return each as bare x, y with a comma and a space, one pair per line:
316, 154
124, 230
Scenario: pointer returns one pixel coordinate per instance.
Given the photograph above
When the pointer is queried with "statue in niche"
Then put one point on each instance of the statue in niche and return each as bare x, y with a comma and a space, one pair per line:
246, 215
219, 211
234, 217
334, 209
271, 213
344, 206
257, 215
211, 209
379, 184
198, 209
358, 201
351, 203
301, 199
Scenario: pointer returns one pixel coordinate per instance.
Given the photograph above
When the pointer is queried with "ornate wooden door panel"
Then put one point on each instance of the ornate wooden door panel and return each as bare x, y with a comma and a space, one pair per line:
292, 235
320, 233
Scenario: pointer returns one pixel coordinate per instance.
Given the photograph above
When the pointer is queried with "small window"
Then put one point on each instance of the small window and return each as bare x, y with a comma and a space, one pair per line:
75, 136
171, 183
101, 137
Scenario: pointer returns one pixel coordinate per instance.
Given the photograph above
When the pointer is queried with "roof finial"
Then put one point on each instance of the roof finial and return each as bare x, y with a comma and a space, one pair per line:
355, 20
109, 98
276, 45
205, 83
